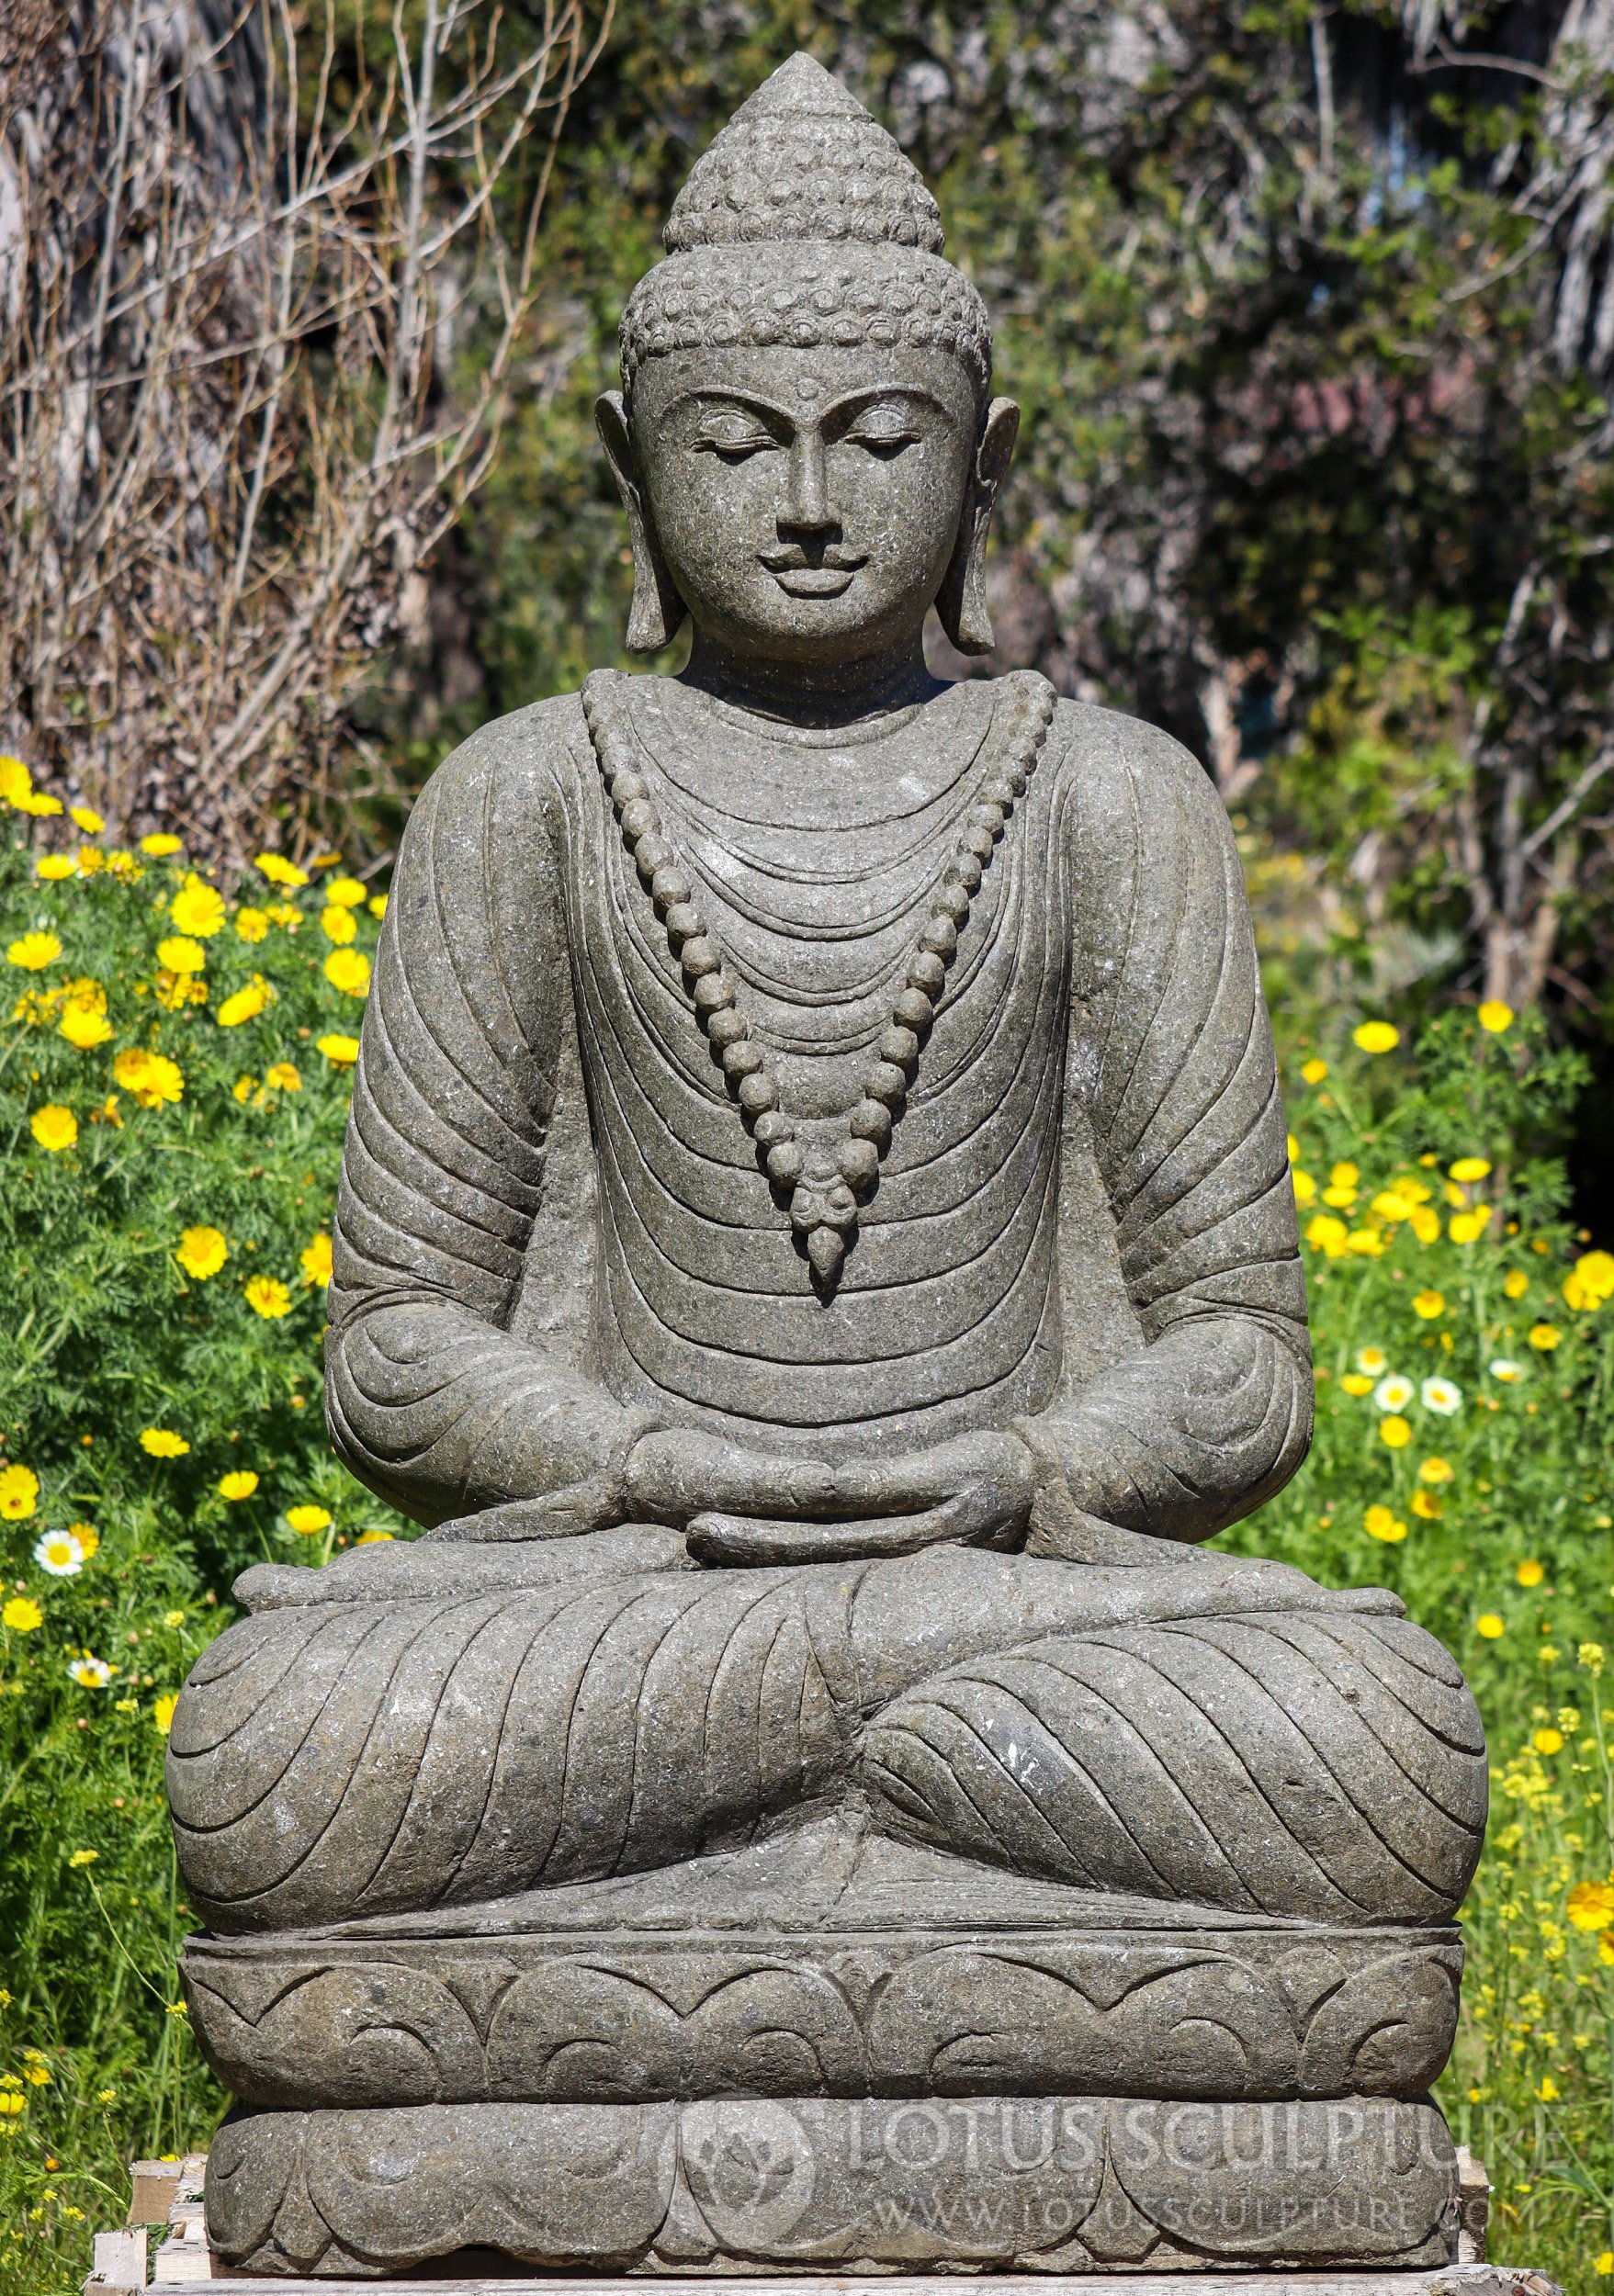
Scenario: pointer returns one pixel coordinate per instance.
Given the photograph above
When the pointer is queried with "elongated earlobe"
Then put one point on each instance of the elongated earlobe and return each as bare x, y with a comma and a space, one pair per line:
657, 612
962, 603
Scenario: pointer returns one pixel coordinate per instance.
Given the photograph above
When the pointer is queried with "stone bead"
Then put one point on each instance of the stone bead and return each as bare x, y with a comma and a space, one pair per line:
684, 922
785, 1161
713, 993
915, 1011
772, 1128
953, 900
898, 1045
639, 819
727, 1027
968, 866
860, 1163
699, 956
886, 1082
998, 790
628, 787
758, 1094
741, 1058
940, 937
651, 852
987, 817
927, 973
871, 1119
670, 886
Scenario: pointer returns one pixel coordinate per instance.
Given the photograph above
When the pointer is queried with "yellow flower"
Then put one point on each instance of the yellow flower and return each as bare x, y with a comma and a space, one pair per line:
202, 1252
1548, 1741
163, 1713
1548, 2092
240, 1483
1429, 1304
179, 954
1304, 1186
251, 924
1515, 1283
1436, 1470
1327, 1235
377, 906
283, 1077
1375, 1036
349, 971
54, 1127
316, 1261
12, 2102
337, 925
308, 1521
1530, 1573
19, 1491
1381, 1523
344, 892
89, 1540
16, 781
1357, 1383
1394, 1432
285, 913
1426, 1506
55, 867
83, 818
1493, 1016
21, 1615
1374, 1361
244, 1087
280, 870
342, 1050
1425, 1223
1344, 1175
1544, 1337
34, 951
1604, 2264
1467, 1227
1314, 1072
83, 1024
246, 1005
163, 1443
1470, 1169
158, 845
84, 1857
1390, 1204
1338, 1197
153, 1079
1590, 1656
268, 1296
1489, 1627
374, 1538
198, 907
1590, 1282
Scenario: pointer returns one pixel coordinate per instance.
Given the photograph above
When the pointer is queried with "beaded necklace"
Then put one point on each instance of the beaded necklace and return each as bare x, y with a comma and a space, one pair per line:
827, 1182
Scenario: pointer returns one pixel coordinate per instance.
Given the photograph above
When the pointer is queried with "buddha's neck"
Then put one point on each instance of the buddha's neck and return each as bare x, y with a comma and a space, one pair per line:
813, 694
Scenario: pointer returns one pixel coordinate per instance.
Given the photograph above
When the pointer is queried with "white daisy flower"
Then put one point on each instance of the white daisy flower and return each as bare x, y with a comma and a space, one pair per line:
1502, 1368
1442, 1395
1394, 1391
61, 1553
90, 1673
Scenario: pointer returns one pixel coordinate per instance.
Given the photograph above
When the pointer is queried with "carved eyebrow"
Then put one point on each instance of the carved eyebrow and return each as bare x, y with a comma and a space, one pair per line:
714, 400
858, 403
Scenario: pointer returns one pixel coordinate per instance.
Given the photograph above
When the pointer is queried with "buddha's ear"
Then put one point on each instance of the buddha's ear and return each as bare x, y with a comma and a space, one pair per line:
657, 610
962, 603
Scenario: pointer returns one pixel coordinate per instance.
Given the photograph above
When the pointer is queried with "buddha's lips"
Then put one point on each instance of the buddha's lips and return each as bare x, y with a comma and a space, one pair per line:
799, 577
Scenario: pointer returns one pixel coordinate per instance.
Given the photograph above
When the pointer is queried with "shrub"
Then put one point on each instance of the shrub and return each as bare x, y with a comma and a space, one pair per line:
174, 1077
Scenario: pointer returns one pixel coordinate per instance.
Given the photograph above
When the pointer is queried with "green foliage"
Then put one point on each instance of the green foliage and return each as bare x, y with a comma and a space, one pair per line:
1504, 1548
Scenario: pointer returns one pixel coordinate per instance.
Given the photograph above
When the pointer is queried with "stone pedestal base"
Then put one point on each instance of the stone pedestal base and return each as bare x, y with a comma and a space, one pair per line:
1049, 2185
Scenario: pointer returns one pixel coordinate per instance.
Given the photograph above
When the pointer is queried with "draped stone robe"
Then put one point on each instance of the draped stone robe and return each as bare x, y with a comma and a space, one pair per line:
554, 1234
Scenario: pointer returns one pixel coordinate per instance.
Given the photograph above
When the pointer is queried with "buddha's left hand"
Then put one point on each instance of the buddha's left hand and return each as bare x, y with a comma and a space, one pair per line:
746, 1506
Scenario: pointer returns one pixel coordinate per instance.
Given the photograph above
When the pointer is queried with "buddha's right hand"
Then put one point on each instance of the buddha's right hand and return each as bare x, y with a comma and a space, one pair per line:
743, 1506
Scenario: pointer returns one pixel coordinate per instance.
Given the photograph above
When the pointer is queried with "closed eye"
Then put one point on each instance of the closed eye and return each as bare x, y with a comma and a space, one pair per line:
886, 441
734, 437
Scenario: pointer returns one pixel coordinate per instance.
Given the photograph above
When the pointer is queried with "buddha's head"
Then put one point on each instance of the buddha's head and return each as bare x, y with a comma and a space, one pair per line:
806, 442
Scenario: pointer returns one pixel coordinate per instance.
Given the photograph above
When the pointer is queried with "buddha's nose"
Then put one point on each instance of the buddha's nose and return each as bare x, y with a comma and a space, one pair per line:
808, 510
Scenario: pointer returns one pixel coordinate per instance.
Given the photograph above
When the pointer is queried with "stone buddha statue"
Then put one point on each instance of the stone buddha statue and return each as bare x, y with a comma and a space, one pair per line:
815, 1250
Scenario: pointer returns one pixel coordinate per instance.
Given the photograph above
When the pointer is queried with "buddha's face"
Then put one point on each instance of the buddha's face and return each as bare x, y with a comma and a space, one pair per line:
806, 502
